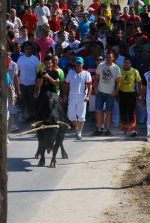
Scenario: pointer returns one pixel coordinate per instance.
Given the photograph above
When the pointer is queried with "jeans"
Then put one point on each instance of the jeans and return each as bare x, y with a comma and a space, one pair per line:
101, 98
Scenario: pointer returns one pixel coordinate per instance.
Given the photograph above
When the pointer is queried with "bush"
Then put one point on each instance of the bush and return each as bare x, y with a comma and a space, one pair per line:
107, 2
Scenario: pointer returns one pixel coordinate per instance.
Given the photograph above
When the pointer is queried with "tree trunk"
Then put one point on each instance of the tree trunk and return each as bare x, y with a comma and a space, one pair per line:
3, 122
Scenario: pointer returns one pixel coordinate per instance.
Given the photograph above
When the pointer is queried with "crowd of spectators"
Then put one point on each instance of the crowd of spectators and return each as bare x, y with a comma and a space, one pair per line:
112, 44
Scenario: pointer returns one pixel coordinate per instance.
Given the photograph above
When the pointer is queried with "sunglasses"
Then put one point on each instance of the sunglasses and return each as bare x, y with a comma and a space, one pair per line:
139, 51
99, 59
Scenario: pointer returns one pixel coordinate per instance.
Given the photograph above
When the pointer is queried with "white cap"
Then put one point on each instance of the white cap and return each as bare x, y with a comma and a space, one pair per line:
91, 9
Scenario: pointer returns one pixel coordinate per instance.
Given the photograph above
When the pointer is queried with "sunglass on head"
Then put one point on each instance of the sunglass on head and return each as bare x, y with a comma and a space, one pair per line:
99, 59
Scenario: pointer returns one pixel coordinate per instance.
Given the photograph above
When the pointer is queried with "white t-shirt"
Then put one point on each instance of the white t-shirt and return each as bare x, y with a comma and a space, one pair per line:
147, 76
9, 23
74, 45
64, 45
108, 75
12, 70
56, 35
17, 26
78, 81
27, 67
42, 13
131, 3
21, 40
120, 60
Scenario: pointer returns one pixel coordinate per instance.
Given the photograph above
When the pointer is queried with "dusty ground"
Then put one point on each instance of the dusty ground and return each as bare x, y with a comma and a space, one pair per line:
93, 191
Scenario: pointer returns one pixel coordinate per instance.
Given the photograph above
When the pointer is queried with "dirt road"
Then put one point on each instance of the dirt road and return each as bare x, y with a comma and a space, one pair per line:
91, 191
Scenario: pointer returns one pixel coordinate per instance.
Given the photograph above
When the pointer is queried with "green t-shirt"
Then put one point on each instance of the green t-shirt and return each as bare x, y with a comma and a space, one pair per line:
61, 79
147, 2
138, 10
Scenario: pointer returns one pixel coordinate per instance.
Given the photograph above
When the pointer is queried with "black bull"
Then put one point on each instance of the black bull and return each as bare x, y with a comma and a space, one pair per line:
49, 109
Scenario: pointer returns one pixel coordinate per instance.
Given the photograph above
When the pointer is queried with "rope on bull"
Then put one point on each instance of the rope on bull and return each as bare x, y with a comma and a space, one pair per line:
63, 124
33, 130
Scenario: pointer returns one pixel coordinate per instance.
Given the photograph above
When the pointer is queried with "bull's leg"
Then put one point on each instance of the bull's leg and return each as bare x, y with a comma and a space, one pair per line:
38, 154
53, 163
42, 159
63, 152
58, 143
41, 148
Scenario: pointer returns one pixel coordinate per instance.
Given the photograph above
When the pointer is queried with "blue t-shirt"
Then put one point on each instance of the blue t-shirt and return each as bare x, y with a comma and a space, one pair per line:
89, 62
84, 27
15, 56
63, 62
8, 81
92, 18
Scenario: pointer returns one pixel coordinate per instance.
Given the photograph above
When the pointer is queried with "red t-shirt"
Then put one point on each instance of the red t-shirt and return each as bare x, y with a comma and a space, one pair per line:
95, 6
132, 40
63, 7
84, 54
125, 17
30, 20
54, 26
133, 20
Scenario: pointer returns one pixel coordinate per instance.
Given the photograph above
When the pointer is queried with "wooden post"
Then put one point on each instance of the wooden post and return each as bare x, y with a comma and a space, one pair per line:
3, 121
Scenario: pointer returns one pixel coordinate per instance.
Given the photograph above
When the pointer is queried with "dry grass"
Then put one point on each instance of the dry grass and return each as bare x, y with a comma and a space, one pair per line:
139, 177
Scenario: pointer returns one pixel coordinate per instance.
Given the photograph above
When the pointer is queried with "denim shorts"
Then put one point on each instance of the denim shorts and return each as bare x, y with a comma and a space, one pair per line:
100, 99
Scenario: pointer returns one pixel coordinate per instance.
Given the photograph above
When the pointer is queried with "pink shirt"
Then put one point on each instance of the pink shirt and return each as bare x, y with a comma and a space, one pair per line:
45, 46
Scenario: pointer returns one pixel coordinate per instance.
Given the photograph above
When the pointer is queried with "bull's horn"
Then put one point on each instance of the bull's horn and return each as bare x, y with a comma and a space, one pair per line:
33, 130
63, 124
37, 124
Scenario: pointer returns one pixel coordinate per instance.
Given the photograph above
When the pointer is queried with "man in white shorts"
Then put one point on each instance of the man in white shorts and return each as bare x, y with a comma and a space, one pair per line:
12, 70
76, 82
146, 91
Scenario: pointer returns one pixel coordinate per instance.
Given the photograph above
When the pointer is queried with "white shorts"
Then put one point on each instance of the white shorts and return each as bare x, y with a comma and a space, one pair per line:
76, 107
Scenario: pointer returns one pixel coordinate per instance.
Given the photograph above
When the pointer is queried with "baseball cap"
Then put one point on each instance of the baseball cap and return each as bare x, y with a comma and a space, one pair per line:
86, 13
85, 40
79, 60
146, 47
91, 9
73, 51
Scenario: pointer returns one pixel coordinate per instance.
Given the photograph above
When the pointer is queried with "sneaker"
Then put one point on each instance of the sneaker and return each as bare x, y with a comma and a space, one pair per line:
79, 137
97, 133
133, 133
147, 139
108, 133
21, 119
7, 140
122, 133
14, 128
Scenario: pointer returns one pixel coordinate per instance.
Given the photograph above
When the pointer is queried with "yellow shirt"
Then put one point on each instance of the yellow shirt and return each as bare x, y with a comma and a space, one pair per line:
129, 79
40, 67
107, 15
